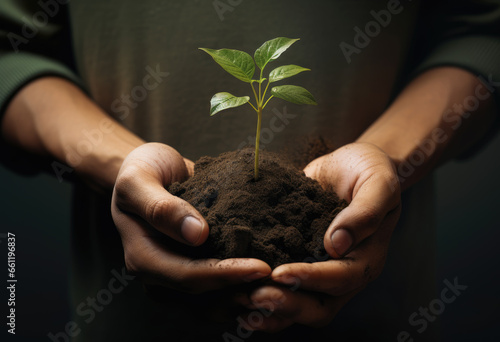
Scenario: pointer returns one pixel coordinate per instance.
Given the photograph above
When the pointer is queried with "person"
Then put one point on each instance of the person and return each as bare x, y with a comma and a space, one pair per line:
402, 86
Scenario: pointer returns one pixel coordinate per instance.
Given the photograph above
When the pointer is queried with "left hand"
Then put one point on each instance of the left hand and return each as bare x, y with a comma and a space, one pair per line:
357, 239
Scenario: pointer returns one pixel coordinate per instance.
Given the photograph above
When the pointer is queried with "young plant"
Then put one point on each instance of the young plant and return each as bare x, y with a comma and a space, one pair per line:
241, 65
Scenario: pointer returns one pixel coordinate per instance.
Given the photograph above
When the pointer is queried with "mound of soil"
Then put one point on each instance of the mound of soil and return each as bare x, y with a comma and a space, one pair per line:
280, 218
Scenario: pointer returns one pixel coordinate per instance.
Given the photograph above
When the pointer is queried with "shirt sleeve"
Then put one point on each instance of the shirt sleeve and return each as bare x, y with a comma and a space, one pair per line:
464, 34
34, 42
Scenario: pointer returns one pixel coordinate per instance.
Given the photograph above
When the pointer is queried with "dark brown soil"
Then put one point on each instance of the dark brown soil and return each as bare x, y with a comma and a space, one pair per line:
280, 218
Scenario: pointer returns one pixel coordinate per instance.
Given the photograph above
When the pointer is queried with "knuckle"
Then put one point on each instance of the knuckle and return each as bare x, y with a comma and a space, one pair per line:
124, 187
369, 217
157, 211
131, 265
128, 175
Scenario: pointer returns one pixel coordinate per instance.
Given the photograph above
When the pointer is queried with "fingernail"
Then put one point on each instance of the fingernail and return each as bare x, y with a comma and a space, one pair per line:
341, 241
254, 276
191, 229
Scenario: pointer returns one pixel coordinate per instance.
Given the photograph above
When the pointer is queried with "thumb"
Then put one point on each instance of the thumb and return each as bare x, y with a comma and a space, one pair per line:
146, 197
368, 208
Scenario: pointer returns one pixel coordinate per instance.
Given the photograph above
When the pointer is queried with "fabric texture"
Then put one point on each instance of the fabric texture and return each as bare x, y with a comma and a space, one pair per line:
139, 62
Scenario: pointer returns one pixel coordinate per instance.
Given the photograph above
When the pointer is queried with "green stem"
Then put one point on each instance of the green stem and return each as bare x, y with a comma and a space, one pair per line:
260, 93
260, 101
265, 90
257, 140
261, 97
270, 97
255, 94
250, 103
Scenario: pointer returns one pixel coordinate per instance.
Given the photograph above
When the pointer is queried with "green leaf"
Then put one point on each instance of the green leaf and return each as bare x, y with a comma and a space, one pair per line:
221, 101
293, 94
271, 50
238, 63
285, 71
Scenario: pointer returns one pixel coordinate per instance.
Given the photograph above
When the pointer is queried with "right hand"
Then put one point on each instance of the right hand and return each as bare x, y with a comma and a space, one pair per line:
142, 208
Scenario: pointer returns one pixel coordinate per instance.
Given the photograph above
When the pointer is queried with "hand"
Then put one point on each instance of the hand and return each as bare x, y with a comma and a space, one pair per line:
364, 176
142, 210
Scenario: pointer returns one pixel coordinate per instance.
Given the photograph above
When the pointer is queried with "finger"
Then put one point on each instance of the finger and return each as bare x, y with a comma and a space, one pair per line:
281, 307
139, 189
150, 259
189, 166
141, 193
362, 217
335, 277
338, 277
311, 169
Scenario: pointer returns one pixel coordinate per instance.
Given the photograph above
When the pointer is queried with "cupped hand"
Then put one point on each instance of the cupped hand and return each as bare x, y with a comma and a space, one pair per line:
142, 209
357, 240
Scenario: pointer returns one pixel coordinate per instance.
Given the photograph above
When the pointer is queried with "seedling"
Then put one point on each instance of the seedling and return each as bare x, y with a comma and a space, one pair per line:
241, 65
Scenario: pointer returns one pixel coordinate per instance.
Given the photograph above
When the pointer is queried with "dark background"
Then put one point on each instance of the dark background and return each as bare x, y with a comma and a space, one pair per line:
37, 210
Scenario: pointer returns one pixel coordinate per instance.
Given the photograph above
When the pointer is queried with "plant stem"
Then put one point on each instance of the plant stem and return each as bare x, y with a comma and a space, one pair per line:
265, 90
270, 97
260, 94
257, 140
256, 97
261, 97
250, 103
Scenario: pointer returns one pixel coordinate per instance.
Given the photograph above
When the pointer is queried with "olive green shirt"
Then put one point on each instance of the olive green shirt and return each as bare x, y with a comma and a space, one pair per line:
139, 60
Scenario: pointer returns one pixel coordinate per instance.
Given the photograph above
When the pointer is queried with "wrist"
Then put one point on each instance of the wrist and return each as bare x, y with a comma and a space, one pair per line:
411, 157
428, 123
101, 165
52, 117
